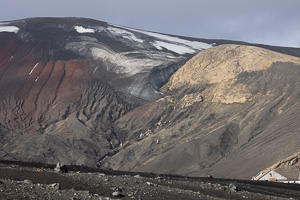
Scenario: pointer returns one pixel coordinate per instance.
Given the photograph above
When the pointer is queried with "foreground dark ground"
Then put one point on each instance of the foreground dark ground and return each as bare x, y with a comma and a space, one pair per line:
37, 181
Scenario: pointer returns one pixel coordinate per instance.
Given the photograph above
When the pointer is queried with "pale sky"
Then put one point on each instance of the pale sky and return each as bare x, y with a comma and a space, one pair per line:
273, 22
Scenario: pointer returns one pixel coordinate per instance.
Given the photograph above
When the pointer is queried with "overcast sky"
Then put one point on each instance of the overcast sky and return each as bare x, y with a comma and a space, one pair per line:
274, 22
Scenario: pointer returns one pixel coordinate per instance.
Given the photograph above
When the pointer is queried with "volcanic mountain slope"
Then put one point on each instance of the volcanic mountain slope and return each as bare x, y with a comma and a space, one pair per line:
63, 83
231, 111
85, 92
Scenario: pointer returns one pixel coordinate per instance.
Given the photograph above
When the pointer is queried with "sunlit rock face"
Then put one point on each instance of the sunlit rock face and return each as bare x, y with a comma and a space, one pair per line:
86, 92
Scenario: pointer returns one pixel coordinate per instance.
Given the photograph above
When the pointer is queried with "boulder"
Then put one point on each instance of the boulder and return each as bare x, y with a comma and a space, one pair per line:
117, 194
60, 168
232, 187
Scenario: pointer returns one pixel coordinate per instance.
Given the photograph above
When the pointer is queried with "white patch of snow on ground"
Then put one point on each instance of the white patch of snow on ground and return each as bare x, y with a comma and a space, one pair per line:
12, 29
125, 34
33, 68
185, 44
156, 45
80, 29
193, 44
123, 64
180, 49
37, 78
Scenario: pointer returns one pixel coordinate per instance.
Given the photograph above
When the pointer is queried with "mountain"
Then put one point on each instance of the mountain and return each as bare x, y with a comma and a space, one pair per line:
229, 111
86, 92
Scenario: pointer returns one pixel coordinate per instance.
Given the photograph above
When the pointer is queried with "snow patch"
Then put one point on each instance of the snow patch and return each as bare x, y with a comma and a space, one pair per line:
156, 45
37, 78
169, 42
80, 29
180, 49
123, 64
125, 34
33, 68
12, 29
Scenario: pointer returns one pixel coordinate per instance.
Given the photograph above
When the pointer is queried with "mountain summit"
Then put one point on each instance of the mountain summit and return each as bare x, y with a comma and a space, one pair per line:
85, 92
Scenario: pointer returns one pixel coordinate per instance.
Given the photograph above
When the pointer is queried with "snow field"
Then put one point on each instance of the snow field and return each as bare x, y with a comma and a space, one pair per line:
12, 29
80, 29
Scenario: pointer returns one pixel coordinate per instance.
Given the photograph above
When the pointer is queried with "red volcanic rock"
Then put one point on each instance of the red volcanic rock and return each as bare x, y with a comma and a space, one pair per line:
51, 107
35, 91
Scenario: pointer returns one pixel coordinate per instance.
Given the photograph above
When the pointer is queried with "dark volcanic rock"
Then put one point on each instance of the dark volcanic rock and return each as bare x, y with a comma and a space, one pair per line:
159, 76
65, 81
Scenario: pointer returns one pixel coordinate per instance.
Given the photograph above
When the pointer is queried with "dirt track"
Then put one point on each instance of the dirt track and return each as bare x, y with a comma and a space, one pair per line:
86, 183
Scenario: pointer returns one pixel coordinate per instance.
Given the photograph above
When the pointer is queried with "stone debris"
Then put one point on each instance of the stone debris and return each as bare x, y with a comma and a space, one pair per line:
209, 176
27, 181
120, 189
60, 168
117, 194
233, 187
149, 183
92, 186
55, 186
137, 176
10, 189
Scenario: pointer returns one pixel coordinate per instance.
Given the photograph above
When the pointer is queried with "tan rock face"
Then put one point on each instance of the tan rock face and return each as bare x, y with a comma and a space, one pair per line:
190, 99
220, 66
293, 160
223, 63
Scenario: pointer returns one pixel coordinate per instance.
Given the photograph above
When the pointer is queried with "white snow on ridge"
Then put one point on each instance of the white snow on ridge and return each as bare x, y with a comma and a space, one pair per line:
12, 29
33, 68
80, 29
193, 44
125, 34
180, 49
169, 42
